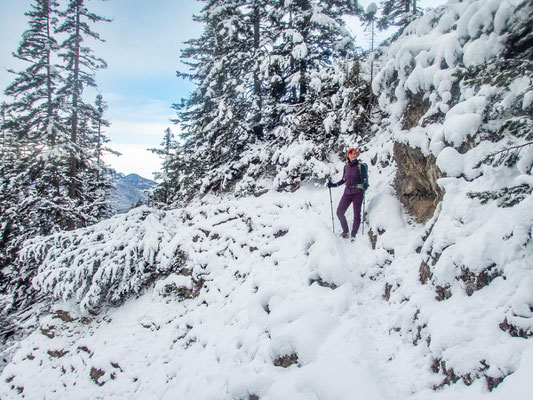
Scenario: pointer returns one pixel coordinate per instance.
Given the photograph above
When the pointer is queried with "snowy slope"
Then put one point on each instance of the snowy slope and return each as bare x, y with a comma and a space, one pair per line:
257, 285
256, 298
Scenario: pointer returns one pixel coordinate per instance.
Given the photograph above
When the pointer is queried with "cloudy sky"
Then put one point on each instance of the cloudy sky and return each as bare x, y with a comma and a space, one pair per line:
140, 84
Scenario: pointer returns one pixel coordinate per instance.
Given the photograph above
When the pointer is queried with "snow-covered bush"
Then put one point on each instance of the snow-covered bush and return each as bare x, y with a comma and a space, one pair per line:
107, 261
457, 86
471, 77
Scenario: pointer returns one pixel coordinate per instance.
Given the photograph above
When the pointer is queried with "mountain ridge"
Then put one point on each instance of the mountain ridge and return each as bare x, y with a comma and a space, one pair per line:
129, 191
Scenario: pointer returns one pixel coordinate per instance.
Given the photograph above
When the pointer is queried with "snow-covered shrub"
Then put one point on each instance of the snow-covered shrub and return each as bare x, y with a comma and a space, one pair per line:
107, 261
175, 284
457, 86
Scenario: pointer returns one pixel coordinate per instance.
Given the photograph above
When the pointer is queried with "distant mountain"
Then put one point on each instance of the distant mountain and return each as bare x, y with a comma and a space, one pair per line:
129, 190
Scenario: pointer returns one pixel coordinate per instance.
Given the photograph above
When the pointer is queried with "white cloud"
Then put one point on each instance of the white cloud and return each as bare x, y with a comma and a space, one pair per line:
138, 132
135, 158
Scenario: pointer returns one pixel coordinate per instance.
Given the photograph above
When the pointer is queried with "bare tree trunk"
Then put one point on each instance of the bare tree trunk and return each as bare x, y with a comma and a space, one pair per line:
258, 128
73, 171
305, 7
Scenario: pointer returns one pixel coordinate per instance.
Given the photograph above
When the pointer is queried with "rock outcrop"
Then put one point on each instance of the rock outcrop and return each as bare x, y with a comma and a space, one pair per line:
416, 181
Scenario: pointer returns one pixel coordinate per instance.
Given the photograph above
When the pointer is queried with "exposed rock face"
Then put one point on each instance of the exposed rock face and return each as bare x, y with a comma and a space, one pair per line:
416, 181
414, 111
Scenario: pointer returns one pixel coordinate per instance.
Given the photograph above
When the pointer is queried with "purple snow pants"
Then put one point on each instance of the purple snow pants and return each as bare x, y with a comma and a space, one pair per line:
357, 200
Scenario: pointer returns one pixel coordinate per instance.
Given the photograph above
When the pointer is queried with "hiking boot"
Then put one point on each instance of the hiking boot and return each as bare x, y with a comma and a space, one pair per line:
345, 235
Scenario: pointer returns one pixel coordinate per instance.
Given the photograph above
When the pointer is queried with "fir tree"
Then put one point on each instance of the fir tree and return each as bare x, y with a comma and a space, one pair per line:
34, 89
224, 111
31, 129
79, 66
162, 193
398, 13
46, 126
259, 69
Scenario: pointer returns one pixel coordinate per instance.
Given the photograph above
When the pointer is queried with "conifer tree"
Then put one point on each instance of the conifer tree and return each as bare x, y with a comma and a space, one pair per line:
163, 193
259, 67
46, 129
311, 39
79, 66
224, 111
398, 13
31, 128
34, 89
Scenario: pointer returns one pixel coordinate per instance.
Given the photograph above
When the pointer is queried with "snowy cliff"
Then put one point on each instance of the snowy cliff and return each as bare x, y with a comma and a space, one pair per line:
257, 298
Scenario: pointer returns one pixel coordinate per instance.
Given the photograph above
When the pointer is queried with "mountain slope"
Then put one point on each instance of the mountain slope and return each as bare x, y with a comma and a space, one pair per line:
261, 283
257, 298
129, 190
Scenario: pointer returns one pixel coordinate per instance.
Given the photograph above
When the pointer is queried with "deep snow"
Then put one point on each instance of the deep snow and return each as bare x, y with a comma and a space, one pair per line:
261, 259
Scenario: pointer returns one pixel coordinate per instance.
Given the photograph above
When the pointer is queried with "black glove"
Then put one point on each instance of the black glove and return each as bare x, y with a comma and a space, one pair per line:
365, 185
330, 184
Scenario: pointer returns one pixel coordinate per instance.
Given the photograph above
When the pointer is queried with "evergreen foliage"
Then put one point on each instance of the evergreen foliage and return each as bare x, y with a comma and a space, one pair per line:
79, 66
267, 75
52, 174
119, 259
510, 114
162, 193
398, 13
34, 90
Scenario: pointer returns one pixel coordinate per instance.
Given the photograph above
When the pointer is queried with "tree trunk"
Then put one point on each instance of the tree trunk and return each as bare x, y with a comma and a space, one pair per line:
305, 7
49, 88
258, 128
73, 171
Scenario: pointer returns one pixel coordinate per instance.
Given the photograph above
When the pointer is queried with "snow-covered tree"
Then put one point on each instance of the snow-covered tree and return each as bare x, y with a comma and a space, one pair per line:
31, 127
259, 70
224, 114
35, 102
79, 67
162, 193
398, 13
52, 177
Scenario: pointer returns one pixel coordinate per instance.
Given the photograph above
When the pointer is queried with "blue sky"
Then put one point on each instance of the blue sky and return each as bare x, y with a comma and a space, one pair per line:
142, 51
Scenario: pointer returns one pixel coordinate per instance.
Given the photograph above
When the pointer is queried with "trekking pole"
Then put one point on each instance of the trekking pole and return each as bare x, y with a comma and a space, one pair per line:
331, 205
364, 202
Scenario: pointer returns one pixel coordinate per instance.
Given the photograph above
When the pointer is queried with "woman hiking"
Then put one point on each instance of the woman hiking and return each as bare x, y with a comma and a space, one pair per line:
355, 177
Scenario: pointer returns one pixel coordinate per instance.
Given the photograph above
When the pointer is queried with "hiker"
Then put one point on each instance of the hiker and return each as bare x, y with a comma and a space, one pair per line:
355, 176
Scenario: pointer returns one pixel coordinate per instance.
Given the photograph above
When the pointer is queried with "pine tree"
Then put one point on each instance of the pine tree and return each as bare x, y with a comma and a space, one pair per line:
312, 49
98, 176
31, 129
163, 193
40, 140
308, 35
398, 13
79, 66
259, 69
224, 112
34, 89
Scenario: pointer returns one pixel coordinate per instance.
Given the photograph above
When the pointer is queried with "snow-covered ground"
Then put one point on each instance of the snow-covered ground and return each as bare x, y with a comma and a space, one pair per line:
266, 283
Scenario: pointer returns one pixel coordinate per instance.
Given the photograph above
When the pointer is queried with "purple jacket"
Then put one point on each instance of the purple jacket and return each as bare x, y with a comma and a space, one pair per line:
351, 178
355, 176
